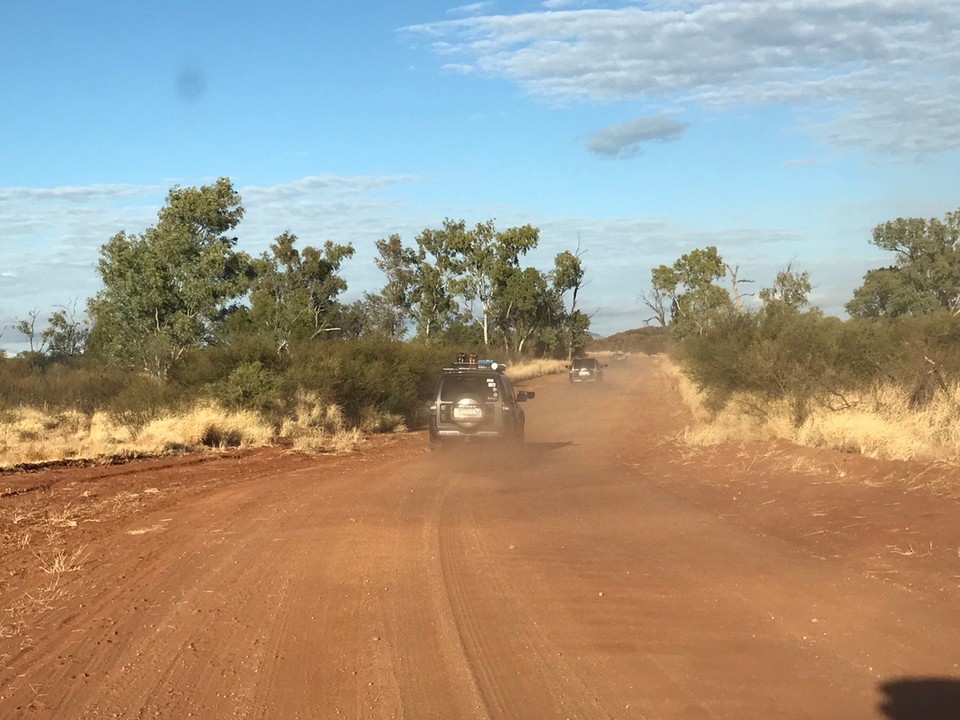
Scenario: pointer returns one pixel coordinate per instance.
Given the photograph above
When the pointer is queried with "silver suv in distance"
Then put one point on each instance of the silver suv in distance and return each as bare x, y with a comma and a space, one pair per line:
586, 370
474, 401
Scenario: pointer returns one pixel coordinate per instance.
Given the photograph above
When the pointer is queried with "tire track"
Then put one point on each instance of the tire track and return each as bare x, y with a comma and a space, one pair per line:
515, 662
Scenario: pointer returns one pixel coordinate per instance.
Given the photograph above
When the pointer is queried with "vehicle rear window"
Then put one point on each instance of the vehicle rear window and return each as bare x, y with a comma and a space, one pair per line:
483, 387
577, 364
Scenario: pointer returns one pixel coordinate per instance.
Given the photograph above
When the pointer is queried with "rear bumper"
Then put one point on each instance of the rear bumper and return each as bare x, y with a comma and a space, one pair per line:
443, 434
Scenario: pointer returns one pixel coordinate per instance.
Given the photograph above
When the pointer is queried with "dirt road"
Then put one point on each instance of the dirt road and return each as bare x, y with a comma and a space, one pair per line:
605, 571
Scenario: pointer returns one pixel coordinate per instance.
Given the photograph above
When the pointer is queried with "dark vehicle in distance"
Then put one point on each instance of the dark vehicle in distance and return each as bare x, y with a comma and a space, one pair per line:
474, 401
586, 370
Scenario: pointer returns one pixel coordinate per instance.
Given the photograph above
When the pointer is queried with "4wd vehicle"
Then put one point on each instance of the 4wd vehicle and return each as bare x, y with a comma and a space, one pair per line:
474, 400
586, 370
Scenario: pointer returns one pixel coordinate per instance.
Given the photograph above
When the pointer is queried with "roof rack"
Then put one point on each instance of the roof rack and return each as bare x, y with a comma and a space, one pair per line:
470, 361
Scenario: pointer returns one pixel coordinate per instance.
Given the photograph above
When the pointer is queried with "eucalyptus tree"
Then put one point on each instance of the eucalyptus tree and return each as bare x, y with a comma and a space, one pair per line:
391, 309
28, 328
690, 287
453, 267
568, 277
167, 289
67, 333
432, 296
925, 275
294, 293
525, 304
482, 258
791, 290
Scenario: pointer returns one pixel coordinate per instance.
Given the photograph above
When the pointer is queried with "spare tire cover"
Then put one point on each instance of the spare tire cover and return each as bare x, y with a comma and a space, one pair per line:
467, 412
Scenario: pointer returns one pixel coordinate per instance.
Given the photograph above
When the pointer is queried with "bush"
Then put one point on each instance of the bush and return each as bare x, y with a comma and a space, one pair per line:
814, 360
784, 354
251, 386
142, 400
362, 377
57, 386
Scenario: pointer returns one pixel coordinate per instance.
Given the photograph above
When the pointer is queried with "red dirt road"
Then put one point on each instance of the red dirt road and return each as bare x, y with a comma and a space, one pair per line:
605, 571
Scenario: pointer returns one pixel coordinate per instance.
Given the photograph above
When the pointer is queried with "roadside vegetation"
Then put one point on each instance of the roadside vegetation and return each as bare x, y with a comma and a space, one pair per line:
885, 382
192, 343
135, 423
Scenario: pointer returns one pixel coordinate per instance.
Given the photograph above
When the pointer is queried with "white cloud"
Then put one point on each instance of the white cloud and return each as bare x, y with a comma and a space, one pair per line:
84, 194
470, 9
877, 74
626, 139
322, 185
52, 236
459, 68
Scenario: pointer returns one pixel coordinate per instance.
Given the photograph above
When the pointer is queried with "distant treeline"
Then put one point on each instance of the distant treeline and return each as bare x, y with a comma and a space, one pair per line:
183, 314
904, 326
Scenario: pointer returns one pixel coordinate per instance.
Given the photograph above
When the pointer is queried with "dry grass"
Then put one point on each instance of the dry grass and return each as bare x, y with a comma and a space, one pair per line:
319, 427
535, 368
29, 436
878, 424
207, 425
54, 565
61, 562
339, 442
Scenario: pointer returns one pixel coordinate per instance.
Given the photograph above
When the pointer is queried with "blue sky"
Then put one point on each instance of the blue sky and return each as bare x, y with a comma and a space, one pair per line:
779, 131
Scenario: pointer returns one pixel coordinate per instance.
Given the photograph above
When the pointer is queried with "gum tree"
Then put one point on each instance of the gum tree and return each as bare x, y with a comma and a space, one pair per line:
167, 289
483, 258
925, 275
568, 277
689, 287
294, 293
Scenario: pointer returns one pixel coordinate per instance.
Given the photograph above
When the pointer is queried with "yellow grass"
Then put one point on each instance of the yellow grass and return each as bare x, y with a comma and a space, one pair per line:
879, 423
318, 427
30, 436
338, 442
535, 368
207, 425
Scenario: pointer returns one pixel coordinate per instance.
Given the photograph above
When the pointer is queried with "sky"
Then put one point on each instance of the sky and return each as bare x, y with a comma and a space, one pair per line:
780, 131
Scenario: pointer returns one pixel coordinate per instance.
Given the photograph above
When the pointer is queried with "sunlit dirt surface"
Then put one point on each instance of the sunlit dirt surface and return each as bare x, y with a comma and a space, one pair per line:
602, 571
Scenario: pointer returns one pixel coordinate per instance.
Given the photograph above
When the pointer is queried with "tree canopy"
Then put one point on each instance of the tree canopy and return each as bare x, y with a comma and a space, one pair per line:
454, 270
790, 290
925, 276
182, 285
294, 293
690, 290
166, 289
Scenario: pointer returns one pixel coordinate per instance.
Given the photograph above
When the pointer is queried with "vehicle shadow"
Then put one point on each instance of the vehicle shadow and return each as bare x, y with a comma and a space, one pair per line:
921, 698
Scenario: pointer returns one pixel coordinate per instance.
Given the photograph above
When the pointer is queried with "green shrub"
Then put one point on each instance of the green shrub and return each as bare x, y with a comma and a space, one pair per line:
812, 359
774, 355
363, 376
379, 385
58, 386
251, 386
